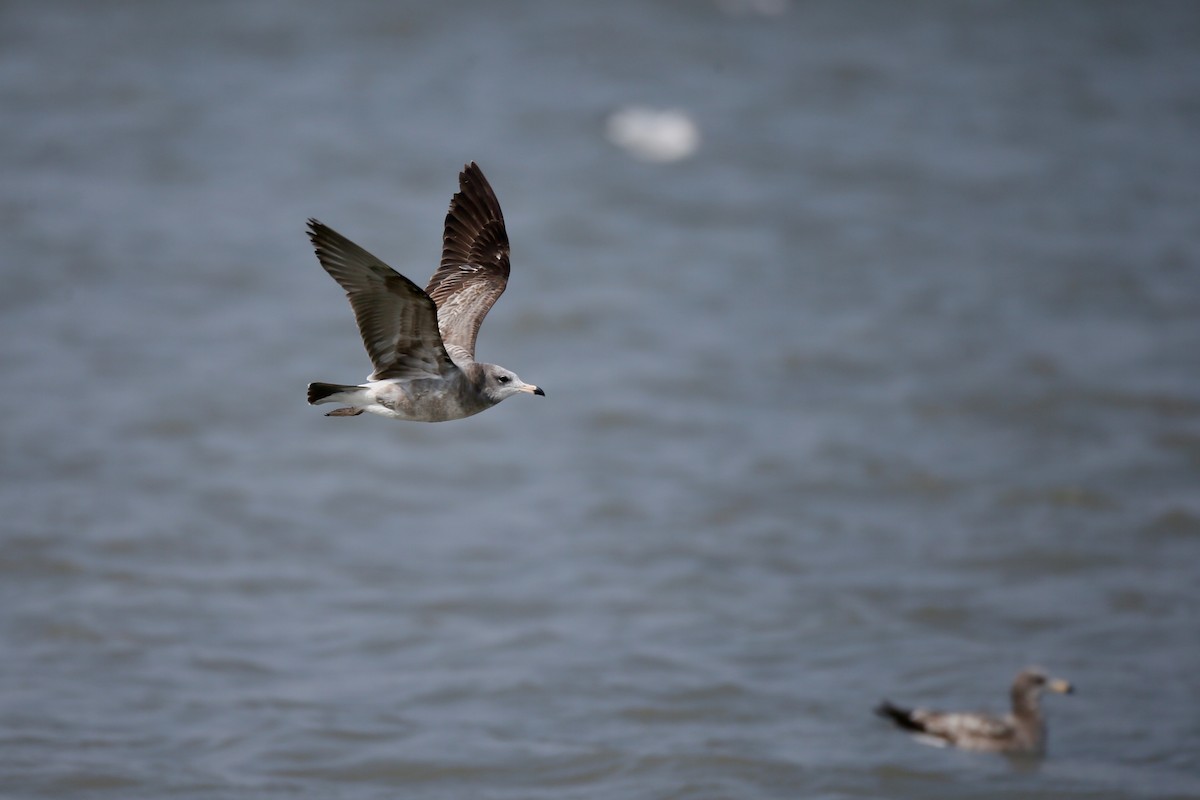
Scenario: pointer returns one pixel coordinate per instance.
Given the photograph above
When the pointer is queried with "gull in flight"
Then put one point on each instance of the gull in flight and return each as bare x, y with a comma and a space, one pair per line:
1019, 732
422, 343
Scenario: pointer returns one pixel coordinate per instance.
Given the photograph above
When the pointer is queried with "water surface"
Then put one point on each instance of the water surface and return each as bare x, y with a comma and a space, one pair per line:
890, 389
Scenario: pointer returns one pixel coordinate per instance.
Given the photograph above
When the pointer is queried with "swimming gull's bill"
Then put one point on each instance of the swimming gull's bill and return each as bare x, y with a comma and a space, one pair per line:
422, 343
1022, 731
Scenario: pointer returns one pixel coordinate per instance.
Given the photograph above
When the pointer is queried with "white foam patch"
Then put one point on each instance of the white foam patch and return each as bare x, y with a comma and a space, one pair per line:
653, 134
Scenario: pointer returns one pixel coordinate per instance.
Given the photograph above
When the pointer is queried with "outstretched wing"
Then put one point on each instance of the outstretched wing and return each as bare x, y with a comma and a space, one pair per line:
397, 321
474, 268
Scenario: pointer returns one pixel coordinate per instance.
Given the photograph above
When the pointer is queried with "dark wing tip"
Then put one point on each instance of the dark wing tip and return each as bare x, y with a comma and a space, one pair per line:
470, 170
473, 186
475, 192
316, 229
474, 232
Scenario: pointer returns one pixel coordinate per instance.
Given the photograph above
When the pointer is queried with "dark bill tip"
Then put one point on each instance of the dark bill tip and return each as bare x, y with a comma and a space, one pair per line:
538, 391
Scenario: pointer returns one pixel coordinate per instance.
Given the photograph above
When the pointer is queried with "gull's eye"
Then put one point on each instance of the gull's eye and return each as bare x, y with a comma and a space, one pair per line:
503, 379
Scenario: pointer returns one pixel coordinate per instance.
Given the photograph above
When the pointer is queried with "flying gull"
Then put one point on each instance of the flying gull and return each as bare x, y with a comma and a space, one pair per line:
422, 343
1020, 732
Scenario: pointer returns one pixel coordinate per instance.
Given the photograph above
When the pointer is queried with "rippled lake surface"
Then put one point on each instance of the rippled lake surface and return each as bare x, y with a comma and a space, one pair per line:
890, 388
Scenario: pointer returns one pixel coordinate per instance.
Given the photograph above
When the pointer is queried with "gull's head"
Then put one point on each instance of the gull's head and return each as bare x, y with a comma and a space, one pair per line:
499, 383
1033, 681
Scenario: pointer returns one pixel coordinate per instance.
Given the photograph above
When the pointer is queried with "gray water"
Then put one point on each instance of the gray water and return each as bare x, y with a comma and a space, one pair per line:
890, 389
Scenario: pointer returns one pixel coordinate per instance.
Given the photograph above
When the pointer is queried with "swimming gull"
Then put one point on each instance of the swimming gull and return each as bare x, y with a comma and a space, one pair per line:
422, 343
1019, 732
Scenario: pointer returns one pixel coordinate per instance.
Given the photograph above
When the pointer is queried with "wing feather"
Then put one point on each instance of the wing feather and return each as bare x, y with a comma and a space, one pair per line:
474, 268
397, 321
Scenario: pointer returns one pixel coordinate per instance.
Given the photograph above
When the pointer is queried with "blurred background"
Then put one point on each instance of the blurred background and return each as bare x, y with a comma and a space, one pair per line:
870, 336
